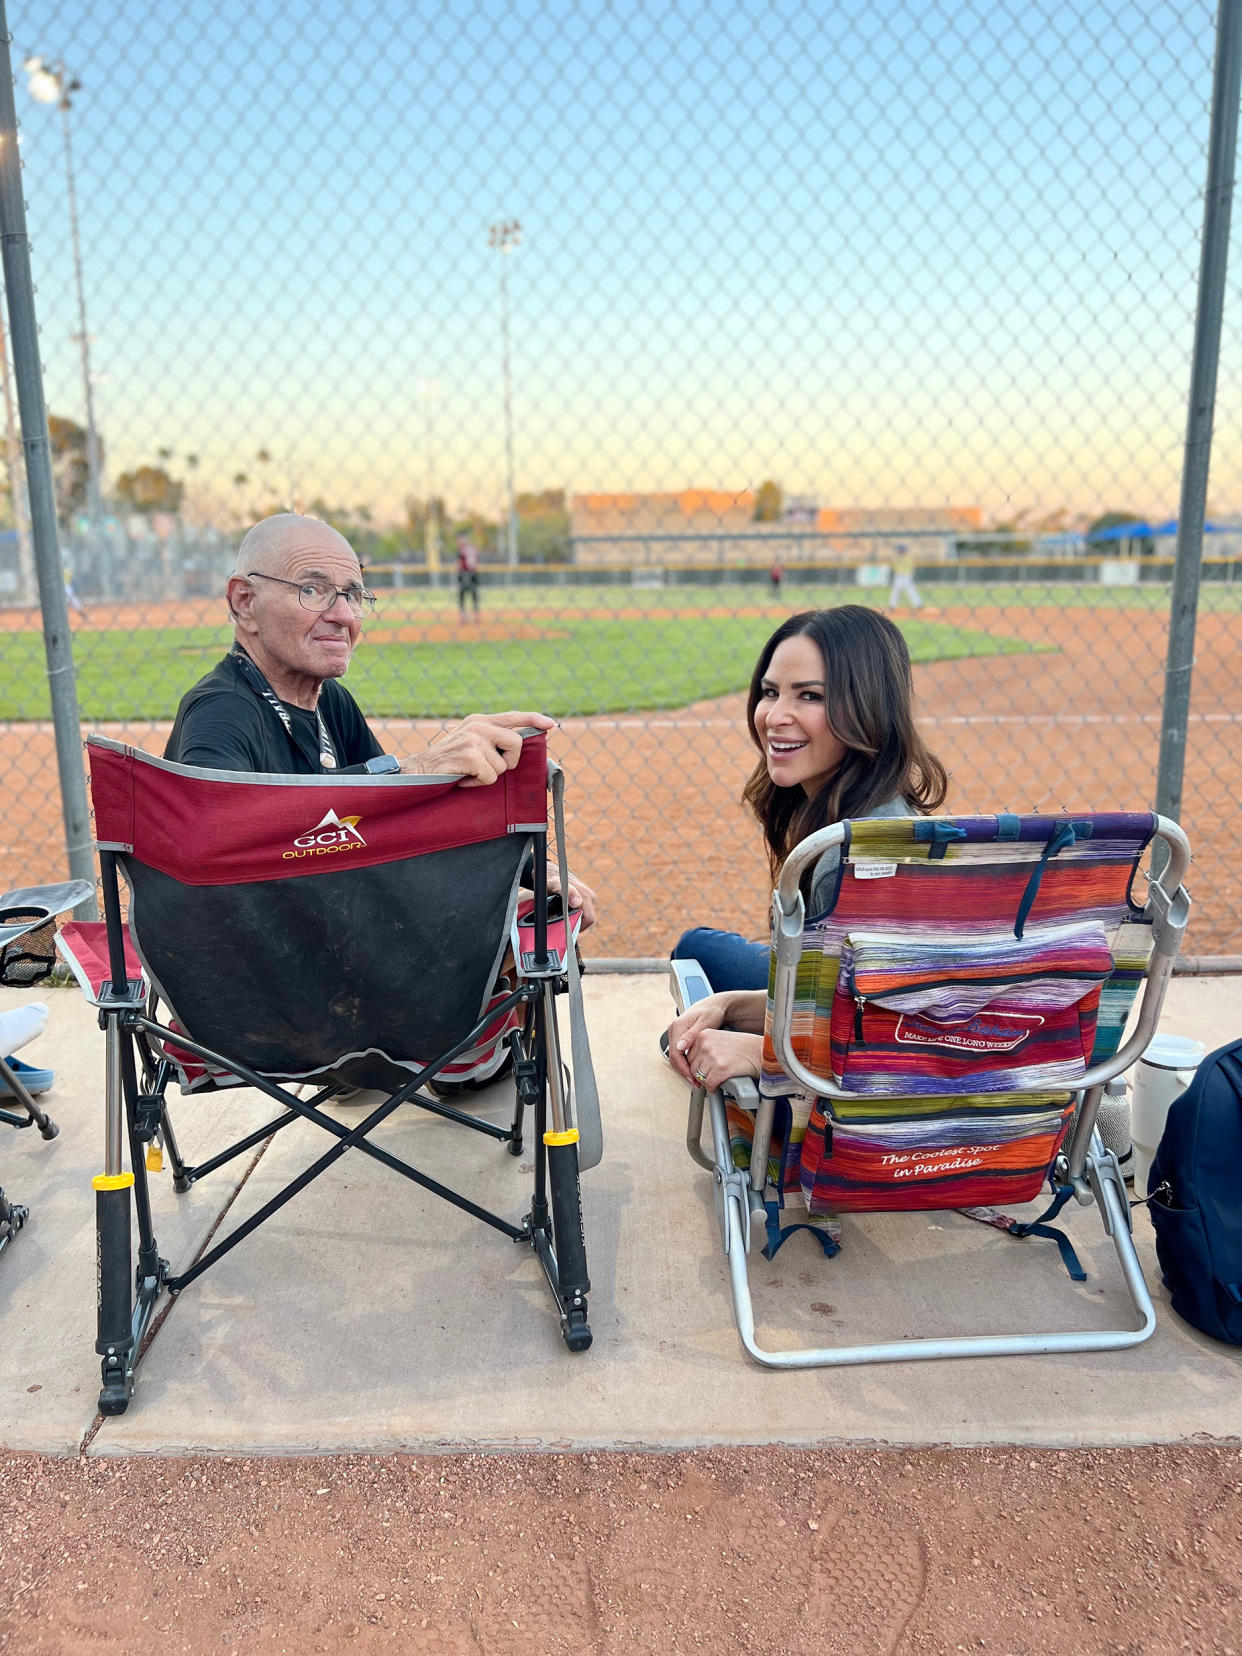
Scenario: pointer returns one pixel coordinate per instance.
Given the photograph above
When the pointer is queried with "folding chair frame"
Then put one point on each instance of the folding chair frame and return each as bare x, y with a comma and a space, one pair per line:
138, 1072
34, 1114
1092, 1172
44, 903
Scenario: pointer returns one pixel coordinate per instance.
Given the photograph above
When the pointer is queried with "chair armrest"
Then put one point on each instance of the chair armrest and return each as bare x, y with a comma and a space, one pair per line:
743, 1090
688, 983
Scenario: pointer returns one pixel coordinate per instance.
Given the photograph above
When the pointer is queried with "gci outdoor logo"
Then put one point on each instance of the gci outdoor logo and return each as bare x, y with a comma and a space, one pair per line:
328, 838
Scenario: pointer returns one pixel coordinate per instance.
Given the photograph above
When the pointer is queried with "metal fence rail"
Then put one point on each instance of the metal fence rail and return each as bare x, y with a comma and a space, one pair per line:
687, 315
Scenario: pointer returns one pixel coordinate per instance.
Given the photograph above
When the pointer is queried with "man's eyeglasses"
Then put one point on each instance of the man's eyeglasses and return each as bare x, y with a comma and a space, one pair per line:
320, 595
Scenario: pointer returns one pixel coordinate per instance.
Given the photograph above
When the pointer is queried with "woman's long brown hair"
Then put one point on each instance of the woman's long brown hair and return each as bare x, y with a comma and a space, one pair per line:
868, 700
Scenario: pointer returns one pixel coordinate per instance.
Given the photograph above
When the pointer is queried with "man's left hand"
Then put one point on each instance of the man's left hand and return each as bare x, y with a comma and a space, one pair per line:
580, 894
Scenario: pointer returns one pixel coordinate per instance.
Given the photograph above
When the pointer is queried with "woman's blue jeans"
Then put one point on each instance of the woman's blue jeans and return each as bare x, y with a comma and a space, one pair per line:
727, 959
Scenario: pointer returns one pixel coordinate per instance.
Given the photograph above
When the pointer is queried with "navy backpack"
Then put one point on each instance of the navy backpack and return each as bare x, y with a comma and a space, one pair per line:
1195, 1186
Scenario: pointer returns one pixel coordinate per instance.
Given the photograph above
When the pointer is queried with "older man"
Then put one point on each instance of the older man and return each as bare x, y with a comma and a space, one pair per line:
274, 704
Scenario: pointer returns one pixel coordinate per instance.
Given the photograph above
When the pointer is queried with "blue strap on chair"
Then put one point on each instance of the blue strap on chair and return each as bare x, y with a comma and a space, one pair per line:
1040, 1227
777, 1237
1062, 836
939, 833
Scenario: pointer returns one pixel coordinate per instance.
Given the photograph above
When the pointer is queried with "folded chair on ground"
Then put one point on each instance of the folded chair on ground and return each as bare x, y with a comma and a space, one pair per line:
337, 931
940, 1038
27, 955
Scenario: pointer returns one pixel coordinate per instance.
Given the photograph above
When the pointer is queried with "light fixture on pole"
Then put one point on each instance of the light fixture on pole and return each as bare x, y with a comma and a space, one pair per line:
505, 236
49, 82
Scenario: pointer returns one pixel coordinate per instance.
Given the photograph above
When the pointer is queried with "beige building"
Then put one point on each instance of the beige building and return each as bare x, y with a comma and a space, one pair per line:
713, 527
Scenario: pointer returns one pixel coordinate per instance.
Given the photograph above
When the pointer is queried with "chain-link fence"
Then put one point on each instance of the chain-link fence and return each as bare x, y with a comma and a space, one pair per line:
685, 316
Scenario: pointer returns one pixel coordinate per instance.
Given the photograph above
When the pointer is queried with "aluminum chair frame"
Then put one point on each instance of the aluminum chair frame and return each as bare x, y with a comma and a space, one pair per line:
44, 903
1091, 1171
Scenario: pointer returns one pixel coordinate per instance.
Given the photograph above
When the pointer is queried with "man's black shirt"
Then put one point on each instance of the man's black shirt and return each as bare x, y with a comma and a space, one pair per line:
223, 725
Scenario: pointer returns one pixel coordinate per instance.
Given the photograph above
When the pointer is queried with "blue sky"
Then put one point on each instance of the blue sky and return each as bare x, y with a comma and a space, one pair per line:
886, 252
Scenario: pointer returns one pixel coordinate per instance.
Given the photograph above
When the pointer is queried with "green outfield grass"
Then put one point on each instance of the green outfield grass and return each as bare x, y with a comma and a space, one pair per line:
579, 664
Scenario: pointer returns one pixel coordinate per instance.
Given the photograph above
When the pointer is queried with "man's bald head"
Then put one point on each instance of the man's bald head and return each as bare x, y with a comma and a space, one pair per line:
296, 644
268, 546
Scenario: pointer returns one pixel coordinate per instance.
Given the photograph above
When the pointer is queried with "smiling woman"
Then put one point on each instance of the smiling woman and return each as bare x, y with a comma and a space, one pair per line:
831, 712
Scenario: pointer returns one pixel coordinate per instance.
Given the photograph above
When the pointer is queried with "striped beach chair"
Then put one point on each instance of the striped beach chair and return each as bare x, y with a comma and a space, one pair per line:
940, 1038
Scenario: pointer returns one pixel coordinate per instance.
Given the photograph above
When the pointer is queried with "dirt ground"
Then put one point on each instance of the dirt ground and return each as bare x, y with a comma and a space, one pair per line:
767, 1551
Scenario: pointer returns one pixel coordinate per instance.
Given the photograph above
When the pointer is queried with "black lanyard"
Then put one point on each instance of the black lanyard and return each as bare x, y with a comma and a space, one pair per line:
255, 679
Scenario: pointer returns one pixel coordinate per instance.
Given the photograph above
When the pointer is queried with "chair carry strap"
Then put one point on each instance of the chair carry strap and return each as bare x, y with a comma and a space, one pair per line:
586, 1092
1039, 1227
1061, 836
778, 1235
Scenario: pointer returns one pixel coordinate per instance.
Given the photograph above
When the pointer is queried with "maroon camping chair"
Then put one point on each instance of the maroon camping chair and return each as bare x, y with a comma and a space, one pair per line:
337, 931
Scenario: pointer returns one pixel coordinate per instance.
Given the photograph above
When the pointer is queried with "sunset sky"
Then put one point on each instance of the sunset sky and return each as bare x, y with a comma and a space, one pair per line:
876, 252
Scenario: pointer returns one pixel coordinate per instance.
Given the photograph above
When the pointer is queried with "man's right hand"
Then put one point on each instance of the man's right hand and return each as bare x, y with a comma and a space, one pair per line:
479, 750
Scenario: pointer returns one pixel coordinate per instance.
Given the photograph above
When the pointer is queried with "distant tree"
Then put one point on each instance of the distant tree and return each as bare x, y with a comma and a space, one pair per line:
149, 489
1004, 539
482, 532
355, 523
1142, 544
543, 527
416, 511
769, 500
70, 471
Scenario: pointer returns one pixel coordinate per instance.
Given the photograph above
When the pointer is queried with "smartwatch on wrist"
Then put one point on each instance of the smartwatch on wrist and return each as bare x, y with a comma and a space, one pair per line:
384, 764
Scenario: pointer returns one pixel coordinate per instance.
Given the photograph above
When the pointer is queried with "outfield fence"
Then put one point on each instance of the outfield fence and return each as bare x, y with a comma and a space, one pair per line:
686, 316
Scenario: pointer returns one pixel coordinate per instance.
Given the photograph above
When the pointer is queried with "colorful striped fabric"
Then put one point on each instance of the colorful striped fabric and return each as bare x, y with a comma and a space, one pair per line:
868, 1171
929, 1013
953, 889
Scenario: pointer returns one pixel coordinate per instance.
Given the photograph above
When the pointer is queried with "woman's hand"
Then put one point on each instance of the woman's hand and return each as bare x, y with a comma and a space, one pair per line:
685, 1029
704, 1052
714, 1056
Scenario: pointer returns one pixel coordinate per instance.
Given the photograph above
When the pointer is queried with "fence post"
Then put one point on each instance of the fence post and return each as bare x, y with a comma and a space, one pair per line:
28, 373
1214, 257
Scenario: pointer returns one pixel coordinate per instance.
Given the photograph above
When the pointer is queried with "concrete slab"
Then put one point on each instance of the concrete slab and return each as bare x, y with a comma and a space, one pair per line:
368, 1315
49, 1373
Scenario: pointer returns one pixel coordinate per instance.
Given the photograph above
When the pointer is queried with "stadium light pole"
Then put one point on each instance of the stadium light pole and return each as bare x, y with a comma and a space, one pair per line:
49, 82
505, 235
428, 391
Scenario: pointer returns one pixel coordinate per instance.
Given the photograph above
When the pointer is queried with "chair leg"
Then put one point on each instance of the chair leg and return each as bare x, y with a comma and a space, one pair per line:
25, 1099
12, 1217
570, 1240
558, 1238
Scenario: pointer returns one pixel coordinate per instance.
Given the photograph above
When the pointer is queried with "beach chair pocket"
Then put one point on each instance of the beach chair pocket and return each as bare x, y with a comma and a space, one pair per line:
929, 1013
960, 1160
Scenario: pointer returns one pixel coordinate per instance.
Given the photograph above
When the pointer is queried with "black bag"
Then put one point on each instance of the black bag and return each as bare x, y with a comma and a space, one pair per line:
1195, 1187
29, 958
